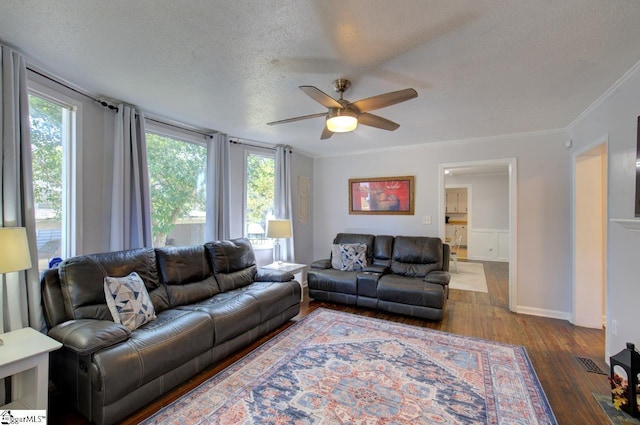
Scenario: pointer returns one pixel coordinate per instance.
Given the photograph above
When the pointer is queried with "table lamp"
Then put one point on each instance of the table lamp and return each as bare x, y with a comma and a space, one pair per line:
276, 229
14, 251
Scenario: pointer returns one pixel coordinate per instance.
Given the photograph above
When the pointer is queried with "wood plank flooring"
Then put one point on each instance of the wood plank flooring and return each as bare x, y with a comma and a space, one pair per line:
553, 347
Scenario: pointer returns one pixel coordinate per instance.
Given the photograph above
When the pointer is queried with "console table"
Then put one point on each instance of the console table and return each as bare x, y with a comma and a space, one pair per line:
299, 272
24, 355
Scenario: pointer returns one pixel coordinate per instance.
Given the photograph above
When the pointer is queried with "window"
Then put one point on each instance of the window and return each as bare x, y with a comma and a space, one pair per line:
259, 200
51, 125
177, 184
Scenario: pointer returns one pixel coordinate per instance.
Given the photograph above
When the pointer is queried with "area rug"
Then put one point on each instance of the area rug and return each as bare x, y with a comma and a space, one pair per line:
470, 277
339, 368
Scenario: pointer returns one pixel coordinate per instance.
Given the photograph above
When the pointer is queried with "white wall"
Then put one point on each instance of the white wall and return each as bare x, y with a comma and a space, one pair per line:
489, 198
616, 115
544, 261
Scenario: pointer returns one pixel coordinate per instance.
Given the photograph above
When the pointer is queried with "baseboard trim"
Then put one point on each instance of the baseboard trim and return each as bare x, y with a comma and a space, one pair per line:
552, 314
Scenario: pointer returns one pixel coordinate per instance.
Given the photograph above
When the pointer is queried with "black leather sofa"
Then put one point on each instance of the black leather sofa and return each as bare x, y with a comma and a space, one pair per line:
404, 274
209, 301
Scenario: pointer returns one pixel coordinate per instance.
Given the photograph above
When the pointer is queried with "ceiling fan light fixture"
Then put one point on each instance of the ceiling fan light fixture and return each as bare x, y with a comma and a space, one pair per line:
341, 120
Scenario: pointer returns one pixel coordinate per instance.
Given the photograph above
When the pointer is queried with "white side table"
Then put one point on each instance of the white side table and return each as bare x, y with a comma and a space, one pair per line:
299, 272
25, 356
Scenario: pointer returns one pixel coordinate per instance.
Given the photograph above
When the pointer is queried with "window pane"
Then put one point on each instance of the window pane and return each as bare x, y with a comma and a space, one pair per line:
177, 180
47, 141
260, 197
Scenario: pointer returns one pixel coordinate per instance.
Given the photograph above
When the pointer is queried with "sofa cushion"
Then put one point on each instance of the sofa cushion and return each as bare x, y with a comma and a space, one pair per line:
155, 349
332, 280
82, 281
382, 250
233, 312
233, 261
368, 240
186, 272
348, 256
416, 256
411, 291
128, 300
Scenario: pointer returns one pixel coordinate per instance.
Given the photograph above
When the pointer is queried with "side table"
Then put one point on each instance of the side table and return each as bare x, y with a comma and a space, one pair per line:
299, 272
25, 356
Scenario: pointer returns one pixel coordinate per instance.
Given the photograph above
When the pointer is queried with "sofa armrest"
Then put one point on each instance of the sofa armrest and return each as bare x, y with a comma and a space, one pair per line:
266, 275
438, 276
321, 264
86, 336
376, 269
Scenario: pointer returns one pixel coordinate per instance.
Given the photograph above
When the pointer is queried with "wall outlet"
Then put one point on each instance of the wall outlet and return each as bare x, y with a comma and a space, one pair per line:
426, 219
614, 327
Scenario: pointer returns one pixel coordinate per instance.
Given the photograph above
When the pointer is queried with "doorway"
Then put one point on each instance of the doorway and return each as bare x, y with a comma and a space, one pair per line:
510, 166
590, 235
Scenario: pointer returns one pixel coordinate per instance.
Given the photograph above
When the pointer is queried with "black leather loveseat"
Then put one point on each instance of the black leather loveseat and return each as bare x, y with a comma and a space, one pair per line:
403, 274
209, 300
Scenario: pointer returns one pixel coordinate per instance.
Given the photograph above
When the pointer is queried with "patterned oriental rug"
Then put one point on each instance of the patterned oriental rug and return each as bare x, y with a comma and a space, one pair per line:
339, 368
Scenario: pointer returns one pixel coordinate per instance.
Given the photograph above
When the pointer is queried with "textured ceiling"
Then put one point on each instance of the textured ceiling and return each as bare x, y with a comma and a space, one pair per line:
481, 67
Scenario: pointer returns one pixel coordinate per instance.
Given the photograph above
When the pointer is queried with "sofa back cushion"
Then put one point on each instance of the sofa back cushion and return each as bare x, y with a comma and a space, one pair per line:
186, 272
357, 238
82, 281
416, 256
233, 261
382, 250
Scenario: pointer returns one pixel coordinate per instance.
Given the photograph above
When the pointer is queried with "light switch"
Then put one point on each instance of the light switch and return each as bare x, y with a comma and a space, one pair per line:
426, 219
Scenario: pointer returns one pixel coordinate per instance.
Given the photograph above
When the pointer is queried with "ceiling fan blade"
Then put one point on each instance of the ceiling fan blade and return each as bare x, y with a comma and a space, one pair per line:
321, 97
326, 133
304, 117
384, 100
376, 121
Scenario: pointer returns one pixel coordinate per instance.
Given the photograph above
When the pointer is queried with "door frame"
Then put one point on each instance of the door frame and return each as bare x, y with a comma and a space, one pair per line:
512, 164
469, 206
603, 143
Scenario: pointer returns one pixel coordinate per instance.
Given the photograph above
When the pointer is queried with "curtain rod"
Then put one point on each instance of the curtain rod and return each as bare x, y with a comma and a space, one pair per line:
238, 142
115, 109
180, 127
102, 102
107, 105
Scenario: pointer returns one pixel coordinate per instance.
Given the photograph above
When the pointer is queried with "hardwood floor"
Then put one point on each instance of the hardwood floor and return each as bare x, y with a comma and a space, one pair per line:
553, 347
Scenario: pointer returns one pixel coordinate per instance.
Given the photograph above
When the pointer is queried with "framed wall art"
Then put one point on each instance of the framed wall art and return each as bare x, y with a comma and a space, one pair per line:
381, 195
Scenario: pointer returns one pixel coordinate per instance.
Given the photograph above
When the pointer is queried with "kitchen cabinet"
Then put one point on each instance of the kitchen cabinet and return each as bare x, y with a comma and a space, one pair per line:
461, 229
456, 200
450, 233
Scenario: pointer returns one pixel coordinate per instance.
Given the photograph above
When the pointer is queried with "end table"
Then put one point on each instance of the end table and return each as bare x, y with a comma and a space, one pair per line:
299, 272
25, 356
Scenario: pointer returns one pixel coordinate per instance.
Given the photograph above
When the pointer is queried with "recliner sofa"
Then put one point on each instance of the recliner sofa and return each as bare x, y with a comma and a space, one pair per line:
403, 274
209, 300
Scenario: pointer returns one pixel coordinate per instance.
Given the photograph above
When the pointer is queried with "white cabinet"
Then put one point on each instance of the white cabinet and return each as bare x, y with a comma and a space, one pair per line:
456, 200
461, 230
450, 233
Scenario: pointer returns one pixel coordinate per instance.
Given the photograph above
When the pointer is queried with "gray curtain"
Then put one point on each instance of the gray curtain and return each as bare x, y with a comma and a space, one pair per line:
130, 200
218, 226
19, 292
283, 197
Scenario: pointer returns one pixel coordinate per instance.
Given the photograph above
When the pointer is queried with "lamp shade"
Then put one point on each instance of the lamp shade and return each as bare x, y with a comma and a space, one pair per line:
14, 250
279, 228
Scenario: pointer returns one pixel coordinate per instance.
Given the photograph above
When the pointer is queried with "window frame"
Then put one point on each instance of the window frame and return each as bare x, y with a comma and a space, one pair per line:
72, 171
248, 151
181, 135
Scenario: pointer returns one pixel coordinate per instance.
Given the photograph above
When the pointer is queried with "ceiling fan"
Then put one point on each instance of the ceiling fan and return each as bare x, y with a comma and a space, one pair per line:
343, 116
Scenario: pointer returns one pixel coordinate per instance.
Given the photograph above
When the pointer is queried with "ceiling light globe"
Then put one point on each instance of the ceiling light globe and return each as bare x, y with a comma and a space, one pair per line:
341, 120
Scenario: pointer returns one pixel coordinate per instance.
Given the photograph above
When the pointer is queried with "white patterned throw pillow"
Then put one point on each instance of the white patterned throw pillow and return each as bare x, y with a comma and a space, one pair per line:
128, 300
349, 256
